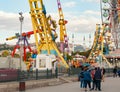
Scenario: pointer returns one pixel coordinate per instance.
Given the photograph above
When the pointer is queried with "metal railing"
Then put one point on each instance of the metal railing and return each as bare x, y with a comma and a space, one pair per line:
7, 75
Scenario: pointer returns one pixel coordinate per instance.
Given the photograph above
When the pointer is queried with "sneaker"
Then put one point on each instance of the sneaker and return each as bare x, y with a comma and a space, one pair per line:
85, 90
91, 89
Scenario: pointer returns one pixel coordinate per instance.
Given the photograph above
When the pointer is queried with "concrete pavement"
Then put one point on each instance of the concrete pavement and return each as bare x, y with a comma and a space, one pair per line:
32, 84
110, 85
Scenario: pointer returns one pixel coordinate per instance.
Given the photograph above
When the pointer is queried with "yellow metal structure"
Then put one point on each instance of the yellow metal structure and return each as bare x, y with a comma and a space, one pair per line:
10, 38
62, 22
97, 48
41, 23
118, 9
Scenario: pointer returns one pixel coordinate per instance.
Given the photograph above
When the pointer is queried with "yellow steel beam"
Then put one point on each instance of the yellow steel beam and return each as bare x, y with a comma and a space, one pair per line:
40, 22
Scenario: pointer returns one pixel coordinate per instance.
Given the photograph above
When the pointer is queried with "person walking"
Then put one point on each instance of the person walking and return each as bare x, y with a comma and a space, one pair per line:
103, 73
81, 76
98, 78
118, 73
115, 71
87, 78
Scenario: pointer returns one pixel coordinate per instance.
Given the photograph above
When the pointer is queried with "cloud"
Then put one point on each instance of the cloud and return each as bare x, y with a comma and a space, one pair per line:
82, 22
90, 12
91, 0
69, 4
10, 21
77, 22
10, 24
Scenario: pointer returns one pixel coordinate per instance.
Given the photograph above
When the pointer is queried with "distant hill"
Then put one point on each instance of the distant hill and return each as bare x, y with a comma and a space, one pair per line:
6, 47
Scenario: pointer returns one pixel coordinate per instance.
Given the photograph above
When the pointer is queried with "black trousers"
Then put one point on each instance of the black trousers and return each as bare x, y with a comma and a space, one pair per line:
98, 84
93, 84
87, 82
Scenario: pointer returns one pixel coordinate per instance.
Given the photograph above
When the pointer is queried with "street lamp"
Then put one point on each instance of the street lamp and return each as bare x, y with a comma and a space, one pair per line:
21, 21
116, 61
111, 60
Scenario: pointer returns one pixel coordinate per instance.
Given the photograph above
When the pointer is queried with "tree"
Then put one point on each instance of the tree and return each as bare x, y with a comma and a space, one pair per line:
86, 53
28, 55
5, 53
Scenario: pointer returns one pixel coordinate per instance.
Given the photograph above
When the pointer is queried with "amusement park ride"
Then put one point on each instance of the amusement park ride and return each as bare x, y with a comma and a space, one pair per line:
44, 41
101, 39
26, 44
63, 33
96, 53
115, 4
105, 33
45, 36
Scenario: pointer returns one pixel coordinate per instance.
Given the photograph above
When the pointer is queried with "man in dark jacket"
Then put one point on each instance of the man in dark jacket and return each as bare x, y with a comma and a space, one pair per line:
98, 78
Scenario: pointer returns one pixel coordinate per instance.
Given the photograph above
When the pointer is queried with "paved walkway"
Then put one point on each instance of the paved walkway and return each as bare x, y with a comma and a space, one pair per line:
110, 85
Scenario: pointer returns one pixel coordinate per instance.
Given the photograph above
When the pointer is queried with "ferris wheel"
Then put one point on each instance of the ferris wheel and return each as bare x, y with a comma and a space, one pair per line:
106, 18
115, 6
110, 9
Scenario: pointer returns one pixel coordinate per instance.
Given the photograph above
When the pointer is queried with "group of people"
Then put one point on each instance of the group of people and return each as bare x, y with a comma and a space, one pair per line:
91, 76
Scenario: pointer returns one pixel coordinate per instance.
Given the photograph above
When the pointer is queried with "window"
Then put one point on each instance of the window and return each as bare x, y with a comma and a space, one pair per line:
42, 63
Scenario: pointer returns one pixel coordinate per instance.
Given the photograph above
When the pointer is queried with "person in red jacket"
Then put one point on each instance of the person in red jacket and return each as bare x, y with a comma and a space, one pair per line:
93, 78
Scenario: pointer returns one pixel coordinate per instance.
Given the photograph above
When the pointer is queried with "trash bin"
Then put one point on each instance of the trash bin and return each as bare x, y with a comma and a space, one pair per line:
22, 86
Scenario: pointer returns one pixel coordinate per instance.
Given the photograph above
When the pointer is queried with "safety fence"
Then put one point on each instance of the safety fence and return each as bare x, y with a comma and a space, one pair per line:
7, 75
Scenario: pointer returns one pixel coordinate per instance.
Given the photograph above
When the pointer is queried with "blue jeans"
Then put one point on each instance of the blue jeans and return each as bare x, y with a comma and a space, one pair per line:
82, 83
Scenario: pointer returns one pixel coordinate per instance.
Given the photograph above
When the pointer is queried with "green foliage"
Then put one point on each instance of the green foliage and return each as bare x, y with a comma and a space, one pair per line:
5, 47
86, 53
105, 1
16, 55
69, 57
28, 55
5, 53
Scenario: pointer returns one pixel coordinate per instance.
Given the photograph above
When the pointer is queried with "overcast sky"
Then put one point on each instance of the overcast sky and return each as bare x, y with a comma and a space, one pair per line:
82, 16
